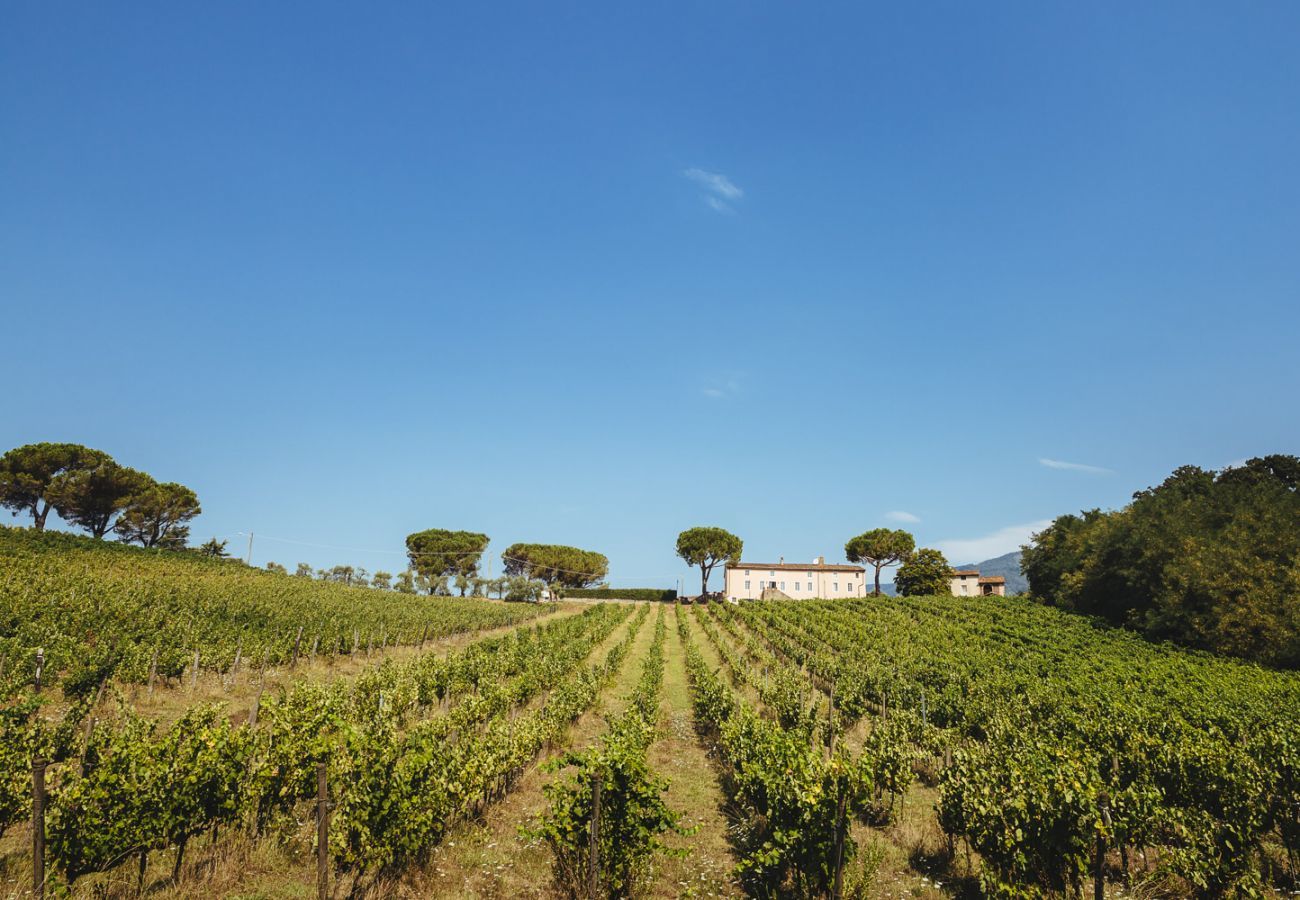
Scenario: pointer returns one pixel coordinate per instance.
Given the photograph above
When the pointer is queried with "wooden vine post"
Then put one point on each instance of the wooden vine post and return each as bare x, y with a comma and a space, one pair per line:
841, 810
153, 670
40, 666
831, 715
1099, 877
322, 832
593, 850
257, 705
38, 828
234, 666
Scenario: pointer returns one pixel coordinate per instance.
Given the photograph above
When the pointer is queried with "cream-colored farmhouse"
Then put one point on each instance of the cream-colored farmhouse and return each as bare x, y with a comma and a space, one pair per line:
968, 583
796, 581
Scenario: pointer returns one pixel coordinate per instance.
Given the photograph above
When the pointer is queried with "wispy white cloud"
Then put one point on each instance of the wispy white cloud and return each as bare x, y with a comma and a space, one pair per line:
719, 205
899, 515
1074, 467
721, 388
978, 549
715, 182
720, 192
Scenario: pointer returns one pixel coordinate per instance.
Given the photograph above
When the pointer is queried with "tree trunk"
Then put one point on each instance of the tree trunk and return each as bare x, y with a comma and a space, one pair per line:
40, 514
877, 594
704, 582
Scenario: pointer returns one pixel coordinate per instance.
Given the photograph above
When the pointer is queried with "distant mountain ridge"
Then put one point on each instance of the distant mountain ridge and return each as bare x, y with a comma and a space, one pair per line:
1007, 565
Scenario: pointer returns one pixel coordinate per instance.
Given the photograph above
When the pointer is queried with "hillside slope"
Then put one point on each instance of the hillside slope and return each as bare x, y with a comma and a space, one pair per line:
98, 608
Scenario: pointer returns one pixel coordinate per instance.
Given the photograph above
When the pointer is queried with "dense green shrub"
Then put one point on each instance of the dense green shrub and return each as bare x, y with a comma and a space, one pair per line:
1207, 559
621, 594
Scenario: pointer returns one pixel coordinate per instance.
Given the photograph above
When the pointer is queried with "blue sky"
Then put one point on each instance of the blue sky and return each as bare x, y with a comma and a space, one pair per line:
591, 274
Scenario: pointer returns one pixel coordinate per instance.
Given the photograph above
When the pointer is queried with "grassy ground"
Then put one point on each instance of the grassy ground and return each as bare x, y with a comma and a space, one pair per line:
694, 791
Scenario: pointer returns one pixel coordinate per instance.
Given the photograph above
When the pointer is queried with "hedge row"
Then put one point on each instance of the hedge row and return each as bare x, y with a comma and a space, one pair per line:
620, 594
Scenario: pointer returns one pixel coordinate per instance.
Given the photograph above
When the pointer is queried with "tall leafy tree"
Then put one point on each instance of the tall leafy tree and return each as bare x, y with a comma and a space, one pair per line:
1206, 559
92, 497
382, 580
340, 575
304, 570
879, 548
557, 565
438, 552
27, 474
214, 549
157, 516
705, 547
925, 573
405, 582
276, 568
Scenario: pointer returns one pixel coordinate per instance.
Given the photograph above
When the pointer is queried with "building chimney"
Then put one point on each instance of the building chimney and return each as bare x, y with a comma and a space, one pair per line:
819, 561
781, 562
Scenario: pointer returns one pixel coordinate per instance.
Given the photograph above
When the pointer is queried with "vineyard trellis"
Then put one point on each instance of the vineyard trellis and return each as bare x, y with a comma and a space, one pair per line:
411, 747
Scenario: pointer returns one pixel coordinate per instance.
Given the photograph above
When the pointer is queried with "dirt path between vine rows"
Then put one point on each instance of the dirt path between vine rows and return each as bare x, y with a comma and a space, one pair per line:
693, 791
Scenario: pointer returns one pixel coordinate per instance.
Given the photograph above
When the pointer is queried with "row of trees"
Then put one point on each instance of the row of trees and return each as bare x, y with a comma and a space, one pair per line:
923, 571
1210, 559
91, 490
439, 556
507, 587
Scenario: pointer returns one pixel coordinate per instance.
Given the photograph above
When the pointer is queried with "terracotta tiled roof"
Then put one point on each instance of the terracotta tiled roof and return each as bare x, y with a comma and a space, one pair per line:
959, 572
795, 567
993, 579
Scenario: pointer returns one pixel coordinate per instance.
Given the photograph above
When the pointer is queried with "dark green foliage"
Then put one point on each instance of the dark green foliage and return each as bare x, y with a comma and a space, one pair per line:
157, 515
925, 572
28, 474
1206, 559
91, 668
17, 746
705, 547
558, 566
92, 497
215, 549
138, 793
437, 552
650, 594
880, 547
